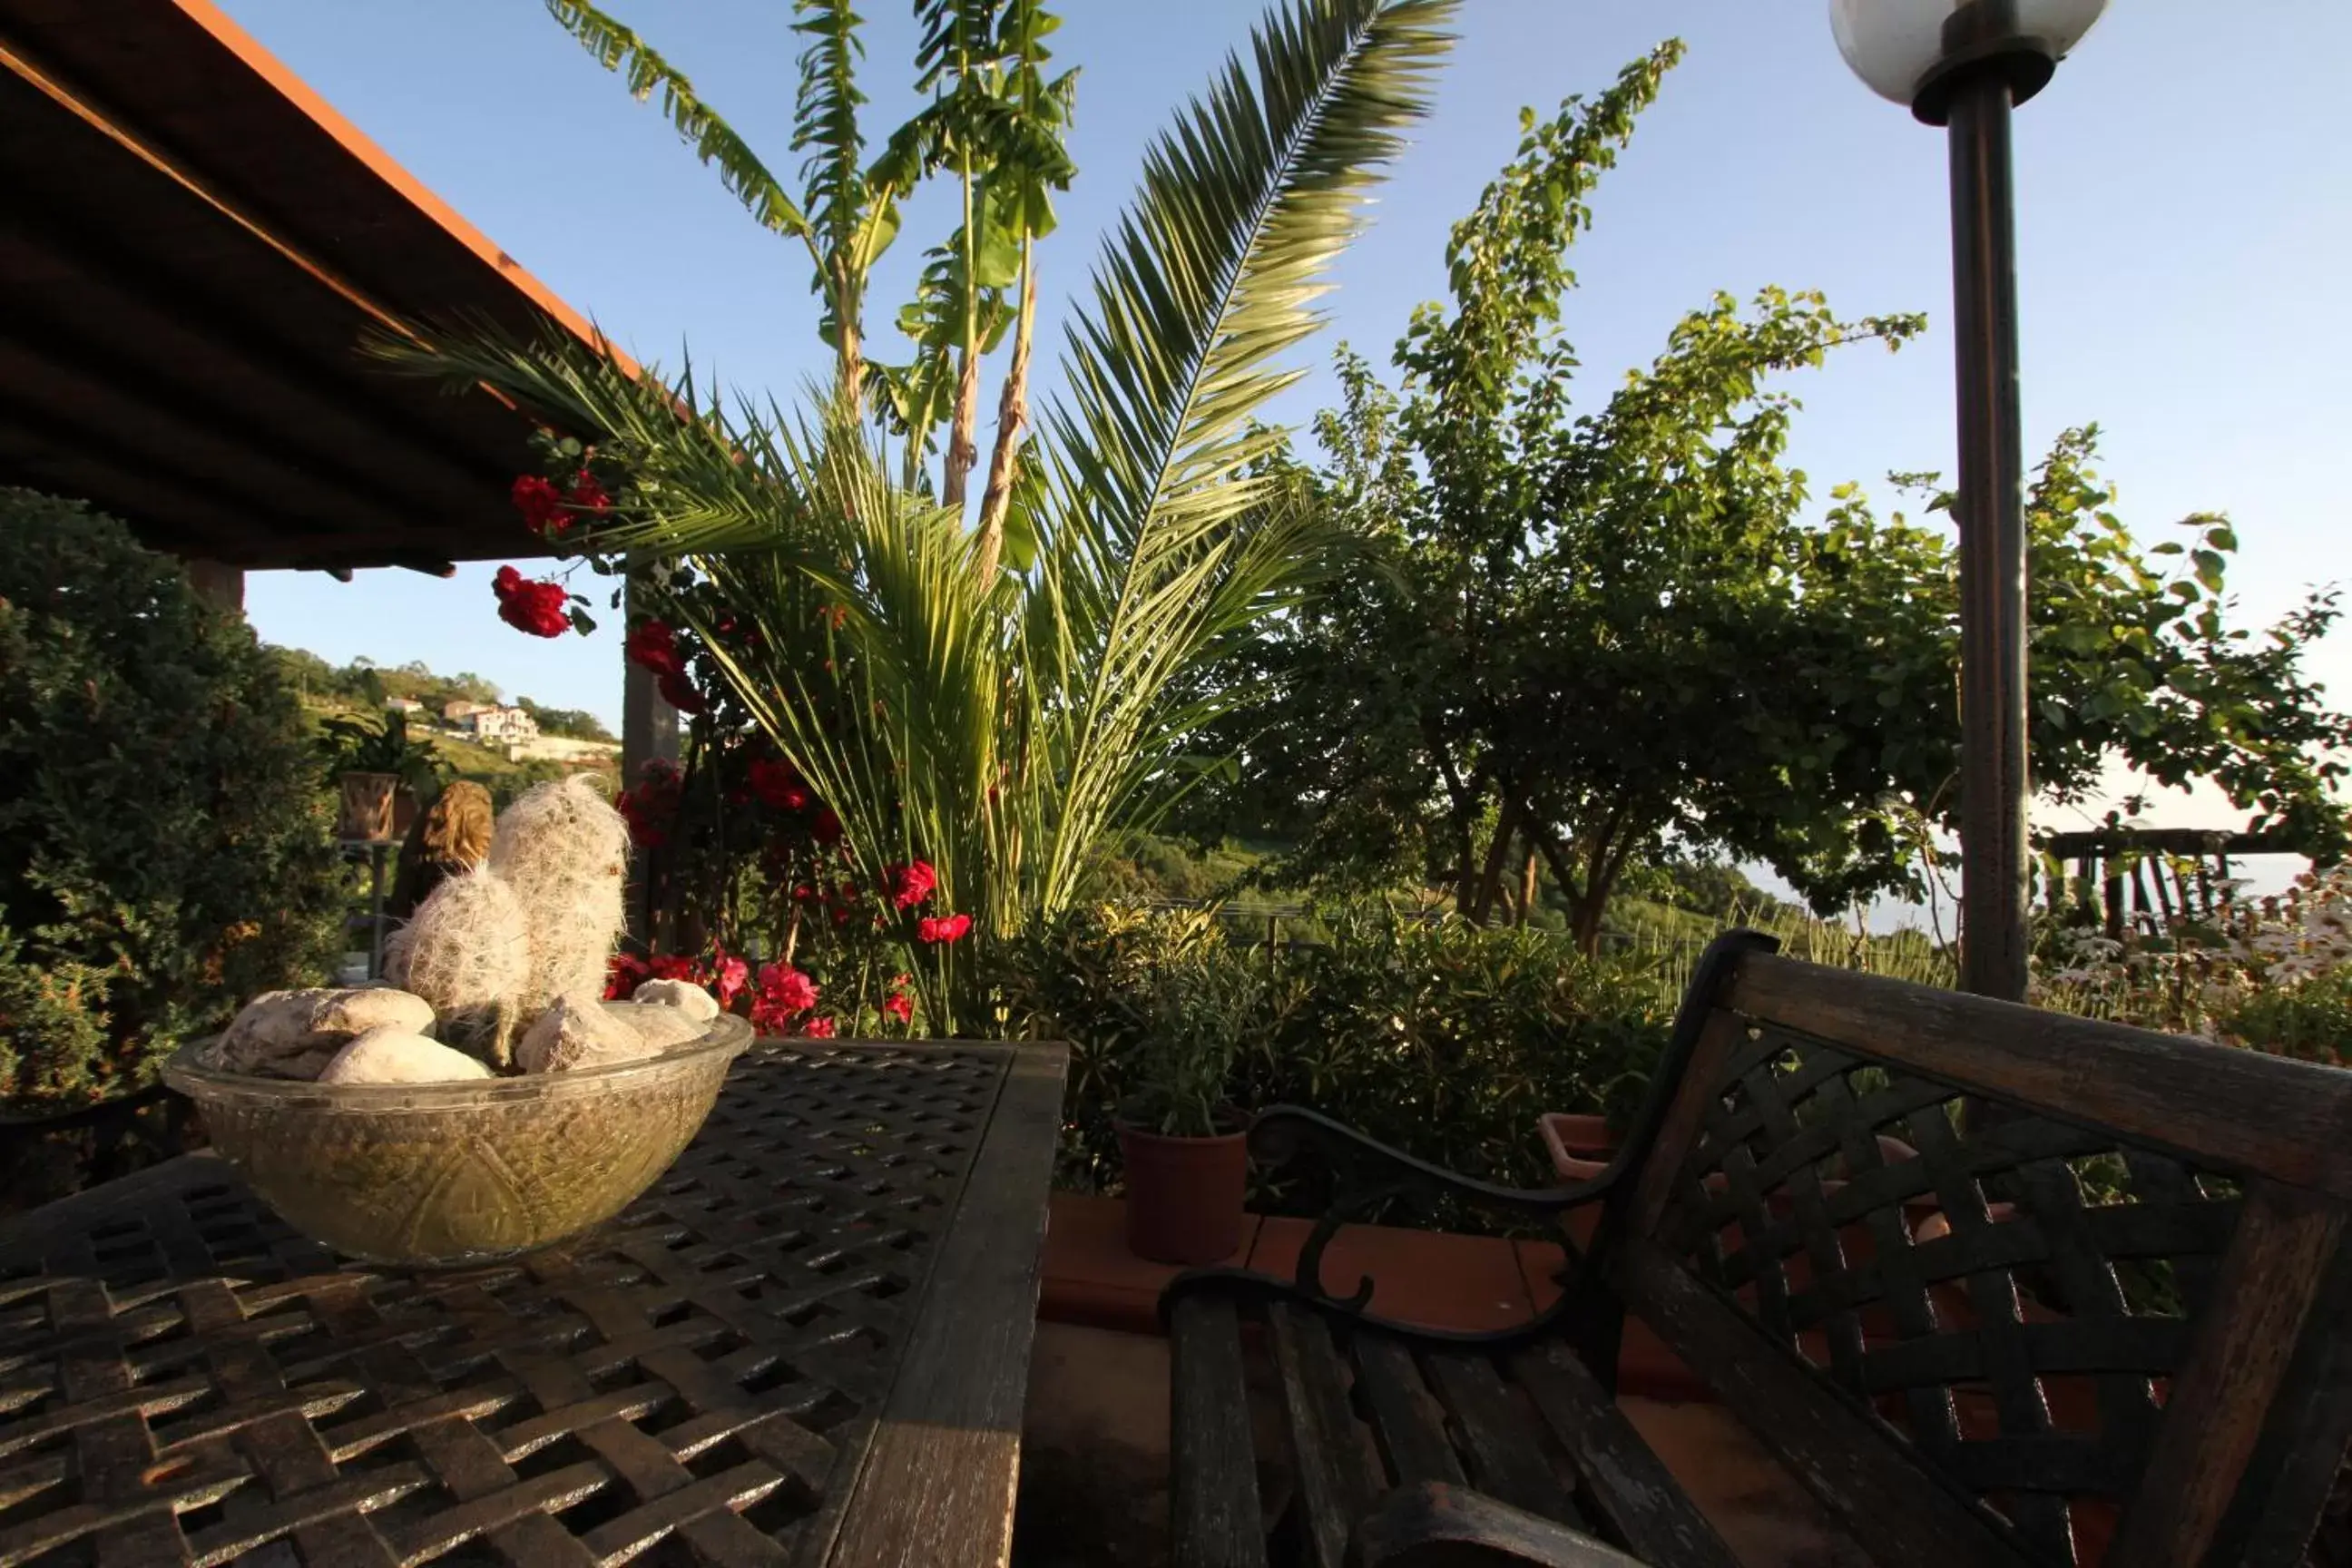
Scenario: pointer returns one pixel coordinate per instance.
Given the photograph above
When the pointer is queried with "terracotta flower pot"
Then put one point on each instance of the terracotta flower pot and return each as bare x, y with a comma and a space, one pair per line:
1184, 1195
366, 811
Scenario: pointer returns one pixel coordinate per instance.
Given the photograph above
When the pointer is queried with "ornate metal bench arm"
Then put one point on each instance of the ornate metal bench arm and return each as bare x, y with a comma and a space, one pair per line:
1366, 1172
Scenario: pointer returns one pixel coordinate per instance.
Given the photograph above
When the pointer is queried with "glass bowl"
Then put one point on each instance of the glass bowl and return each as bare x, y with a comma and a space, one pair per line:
449, 1173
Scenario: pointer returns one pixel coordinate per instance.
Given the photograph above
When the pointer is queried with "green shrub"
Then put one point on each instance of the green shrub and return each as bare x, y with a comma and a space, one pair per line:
163, 840
1440, 1038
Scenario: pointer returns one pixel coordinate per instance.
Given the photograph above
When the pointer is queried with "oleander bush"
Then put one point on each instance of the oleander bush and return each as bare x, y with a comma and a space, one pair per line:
163, 840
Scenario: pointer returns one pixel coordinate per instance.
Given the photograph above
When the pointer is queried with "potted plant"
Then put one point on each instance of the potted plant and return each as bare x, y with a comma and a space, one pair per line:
372, 762
1187, 1162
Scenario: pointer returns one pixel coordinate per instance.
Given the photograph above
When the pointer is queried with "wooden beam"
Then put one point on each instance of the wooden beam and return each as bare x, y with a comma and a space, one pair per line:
176, 320
183, 428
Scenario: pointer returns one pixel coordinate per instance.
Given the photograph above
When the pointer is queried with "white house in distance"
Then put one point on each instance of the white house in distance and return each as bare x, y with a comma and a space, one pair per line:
402, 705
510, 726
460, 712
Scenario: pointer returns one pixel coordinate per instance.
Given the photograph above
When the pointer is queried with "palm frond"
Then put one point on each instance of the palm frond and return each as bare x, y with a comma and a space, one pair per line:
617, 48
1211, 275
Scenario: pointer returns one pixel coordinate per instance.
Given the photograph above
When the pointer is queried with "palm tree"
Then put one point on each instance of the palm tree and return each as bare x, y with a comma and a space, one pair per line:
1010, 718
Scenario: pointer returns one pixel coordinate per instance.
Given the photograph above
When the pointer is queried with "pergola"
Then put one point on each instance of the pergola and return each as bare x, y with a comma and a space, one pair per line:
192, 244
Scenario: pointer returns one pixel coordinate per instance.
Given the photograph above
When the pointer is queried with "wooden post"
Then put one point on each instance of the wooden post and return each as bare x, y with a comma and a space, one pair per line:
648, 734
222, 585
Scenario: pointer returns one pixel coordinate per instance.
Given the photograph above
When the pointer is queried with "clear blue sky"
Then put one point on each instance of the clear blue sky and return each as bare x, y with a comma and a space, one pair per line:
2185, 195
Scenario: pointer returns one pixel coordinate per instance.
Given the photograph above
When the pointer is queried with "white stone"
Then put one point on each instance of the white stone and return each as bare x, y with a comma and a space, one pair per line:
290, 1034
663, 1028
396, 1056
683, 994
577, 1032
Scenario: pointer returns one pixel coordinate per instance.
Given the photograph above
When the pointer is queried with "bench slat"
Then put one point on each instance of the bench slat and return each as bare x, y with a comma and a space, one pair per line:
1639, 1501
1339, 1479
1500, 1436
1407, 1417
1898, 1512
1213, 1481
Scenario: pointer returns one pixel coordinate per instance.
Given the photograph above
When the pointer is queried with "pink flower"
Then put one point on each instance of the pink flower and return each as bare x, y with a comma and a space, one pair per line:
731, 974
943, 927
674, 966
817, 1029
787, 988
541, 608
898, 1006
910, 885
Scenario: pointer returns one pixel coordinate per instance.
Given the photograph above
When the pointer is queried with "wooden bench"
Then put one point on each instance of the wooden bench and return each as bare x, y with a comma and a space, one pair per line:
2117, 1333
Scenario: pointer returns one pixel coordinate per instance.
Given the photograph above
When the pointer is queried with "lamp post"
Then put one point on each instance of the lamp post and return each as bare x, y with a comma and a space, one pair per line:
1964, 64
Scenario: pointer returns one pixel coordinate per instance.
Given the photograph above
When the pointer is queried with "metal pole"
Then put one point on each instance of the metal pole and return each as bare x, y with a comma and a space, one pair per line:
1994, 889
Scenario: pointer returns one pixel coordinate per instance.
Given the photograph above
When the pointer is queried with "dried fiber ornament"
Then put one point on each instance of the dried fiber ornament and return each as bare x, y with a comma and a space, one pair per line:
565, 852
467, 952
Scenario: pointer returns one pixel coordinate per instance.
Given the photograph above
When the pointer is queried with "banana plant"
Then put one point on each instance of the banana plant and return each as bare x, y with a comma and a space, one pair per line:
1012, 723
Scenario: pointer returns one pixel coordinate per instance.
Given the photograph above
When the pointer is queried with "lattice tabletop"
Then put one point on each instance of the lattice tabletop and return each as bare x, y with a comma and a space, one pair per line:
806, 1344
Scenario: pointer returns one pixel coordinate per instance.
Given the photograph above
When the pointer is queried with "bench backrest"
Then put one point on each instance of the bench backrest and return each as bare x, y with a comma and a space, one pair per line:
2001, 1285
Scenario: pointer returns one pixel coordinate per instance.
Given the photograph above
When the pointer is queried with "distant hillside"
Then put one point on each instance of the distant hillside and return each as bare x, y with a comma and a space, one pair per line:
367, 685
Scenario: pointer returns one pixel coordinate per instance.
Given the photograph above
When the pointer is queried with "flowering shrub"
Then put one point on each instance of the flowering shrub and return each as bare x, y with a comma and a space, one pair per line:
747, 863
2272, 974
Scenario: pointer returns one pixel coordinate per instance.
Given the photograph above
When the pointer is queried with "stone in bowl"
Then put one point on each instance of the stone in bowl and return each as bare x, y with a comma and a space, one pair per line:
451, 1173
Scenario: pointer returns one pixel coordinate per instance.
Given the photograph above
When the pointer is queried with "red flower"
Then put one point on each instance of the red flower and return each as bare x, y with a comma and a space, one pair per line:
827, 826
649, 808
898, 1006
653, 644
675, 966
804, 894
622, 976
910, 885
817, 1029
729, 976
943, 927
787, 989
588, 495
778, 783
680, 693
541, 608
540, 505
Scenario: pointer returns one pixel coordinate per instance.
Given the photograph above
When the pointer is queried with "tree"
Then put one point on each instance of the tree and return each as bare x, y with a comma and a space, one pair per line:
1002, 725
164, 843
1602, 638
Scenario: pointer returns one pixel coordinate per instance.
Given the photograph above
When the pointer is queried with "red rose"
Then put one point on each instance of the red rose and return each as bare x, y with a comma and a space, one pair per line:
898, 1006
826, 827
649, 808
817, 1029
653, 644
540, 505
542, 608
588, 495
680, 693
943, 927
778, 784
910, 885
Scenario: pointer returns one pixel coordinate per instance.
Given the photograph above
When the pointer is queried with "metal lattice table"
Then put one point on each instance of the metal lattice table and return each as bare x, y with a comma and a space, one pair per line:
807, 1344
